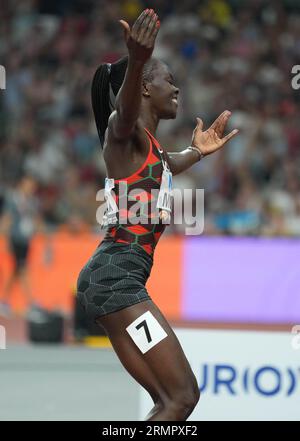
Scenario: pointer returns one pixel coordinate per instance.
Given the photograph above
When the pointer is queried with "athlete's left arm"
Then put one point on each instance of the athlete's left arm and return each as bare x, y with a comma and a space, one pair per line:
203, 143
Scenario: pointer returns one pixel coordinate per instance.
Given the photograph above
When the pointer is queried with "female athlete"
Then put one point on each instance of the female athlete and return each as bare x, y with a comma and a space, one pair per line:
129, 99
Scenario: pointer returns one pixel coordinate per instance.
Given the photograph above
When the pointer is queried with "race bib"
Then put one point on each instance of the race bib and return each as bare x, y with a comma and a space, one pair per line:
164, 201
146, 332
110, 215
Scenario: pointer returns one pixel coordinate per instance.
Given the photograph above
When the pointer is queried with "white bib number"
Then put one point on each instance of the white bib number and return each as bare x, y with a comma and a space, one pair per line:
164, 201
146, 332
109, 216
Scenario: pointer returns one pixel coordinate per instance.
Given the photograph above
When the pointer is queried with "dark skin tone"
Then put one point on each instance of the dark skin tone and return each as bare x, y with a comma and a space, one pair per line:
164, 370
142, 104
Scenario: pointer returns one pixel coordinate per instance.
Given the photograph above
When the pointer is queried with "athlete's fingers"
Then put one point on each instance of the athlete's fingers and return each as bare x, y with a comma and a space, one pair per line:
229, 136
199, 124
223, 123
151, 27
126, 29
138, 23
216, 124
144, 27
154, 33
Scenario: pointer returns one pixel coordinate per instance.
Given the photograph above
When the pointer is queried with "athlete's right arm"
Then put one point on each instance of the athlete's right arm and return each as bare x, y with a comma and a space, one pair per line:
140, 43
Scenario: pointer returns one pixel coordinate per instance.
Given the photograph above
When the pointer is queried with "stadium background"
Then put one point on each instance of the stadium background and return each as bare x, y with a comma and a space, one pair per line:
224, 54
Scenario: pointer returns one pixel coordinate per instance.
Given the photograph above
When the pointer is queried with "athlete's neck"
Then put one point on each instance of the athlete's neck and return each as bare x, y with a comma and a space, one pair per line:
149, 119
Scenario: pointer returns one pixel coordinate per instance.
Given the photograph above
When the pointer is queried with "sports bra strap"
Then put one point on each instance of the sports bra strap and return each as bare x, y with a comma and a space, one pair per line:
153, 138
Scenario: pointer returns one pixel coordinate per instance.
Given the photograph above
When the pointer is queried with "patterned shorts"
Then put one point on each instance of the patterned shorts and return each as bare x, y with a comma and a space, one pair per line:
114, 278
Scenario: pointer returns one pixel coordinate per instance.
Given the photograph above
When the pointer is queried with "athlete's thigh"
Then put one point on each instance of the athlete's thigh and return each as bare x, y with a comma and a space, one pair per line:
133, 361
166, 359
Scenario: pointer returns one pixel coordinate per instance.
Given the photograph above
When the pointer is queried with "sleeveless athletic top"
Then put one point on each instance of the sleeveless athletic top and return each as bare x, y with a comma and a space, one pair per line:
148, 177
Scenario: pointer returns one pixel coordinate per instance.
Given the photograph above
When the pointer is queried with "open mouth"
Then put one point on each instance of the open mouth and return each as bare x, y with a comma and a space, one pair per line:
174, 100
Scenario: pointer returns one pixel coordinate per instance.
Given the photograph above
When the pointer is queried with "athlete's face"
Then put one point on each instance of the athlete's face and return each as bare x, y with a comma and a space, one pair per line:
163, 92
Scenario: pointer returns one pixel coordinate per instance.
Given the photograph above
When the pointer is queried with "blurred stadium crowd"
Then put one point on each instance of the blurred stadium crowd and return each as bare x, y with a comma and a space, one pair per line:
224, 54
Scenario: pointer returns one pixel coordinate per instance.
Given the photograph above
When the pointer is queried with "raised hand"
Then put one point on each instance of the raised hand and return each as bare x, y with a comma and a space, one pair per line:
212, 139
141, 38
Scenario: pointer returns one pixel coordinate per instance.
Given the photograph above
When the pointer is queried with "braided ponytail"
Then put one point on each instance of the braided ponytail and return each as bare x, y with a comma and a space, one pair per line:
106, 84
100, 103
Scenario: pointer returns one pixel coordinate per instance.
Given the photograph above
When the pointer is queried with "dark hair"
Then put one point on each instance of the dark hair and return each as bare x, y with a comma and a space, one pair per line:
106, 84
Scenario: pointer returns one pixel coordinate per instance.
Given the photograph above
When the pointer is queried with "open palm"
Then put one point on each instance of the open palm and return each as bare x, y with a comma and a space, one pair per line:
212, 139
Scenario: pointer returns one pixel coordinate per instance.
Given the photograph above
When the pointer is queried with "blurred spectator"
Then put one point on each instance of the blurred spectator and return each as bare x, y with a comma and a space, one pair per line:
19, 221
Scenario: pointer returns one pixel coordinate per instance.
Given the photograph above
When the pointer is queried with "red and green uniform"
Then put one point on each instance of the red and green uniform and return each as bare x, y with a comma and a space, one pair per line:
146, 178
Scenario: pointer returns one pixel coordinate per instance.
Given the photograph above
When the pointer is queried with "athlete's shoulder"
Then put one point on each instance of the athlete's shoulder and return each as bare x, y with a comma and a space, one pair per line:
137, 137
139, 125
